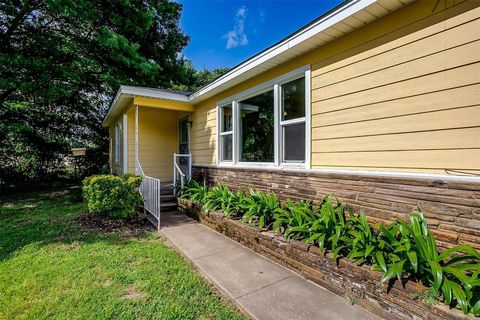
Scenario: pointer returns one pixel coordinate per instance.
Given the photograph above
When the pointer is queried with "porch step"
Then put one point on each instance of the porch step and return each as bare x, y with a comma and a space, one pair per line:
166, 188
166, 192
168, 206
168, 198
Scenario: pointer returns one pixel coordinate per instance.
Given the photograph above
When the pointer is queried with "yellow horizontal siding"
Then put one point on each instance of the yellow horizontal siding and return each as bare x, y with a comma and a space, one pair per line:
463, 138
448, 59
436, 120
460, 159
434, 101
424, 42
413, 105
157, 141
203, 134
400, 94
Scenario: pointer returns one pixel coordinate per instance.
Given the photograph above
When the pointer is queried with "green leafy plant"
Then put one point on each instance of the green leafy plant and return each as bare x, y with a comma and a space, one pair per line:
454, 271
331, 227
232, 206
364, 245
294, 219
259, 208
193, 191
112, 195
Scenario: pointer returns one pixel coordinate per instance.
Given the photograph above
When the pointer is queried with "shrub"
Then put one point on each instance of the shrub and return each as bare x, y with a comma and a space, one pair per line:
112, 195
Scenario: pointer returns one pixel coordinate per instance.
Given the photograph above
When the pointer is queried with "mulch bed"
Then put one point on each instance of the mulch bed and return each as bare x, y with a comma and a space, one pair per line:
131, 227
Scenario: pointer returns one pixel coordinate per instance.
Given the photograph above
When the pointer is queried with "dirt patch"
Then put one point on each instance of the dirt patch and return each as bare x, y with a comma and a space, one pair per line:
134, 294
132, 227
106, 283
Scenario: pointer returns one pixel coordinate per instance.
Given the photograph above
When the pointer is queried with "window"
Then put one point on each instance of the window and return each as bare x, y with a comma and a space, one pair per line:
267, 124
293, 120
226, 133
183, 145
117, 143
257, 128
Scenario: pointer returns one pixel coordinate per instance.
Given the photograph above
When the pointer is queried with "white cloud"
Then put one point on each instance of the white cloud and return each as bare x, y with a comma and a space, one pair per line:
237, 36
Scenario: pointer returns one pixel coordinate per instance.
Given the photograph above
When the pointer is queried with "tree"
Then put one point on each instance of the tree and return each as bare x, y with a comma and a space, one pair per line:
61, 61
192, 79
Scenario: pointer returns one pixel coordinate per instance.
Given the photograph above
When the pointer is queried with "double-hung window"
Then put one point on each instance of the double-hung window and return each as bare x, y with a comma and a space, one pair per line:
267, 124
226, 133
292, 123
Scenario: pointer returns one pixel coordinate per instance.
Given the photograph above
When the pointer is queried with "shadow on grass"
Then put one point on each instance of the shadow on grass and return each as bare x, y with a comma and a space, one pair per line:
58, 215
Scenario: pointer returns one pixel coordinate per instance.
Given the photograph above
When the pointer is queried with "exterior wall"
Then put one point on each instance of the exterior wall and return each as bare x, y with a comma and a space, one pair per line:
452, 207
204, 134
157, 140
400, 94
412, 103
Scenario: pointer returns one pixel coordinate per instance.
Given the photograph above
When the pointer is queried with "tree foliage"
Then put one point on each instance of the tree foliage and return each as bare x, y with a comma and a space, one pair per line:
61, 62
193, 79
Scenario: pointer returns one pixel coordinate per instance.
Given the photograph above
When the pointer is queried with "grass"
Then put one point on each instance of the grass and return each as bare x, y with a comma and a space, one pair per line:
56, 262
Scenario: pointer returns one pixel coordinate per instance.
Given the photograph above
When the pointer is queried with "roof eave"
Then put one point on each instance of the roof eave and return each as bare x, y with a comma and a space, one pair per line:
131, 92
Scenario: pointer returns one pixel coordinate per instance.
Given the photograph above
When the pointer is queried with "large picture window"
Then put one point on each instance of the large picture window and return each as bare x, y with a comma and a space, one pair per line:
266, 124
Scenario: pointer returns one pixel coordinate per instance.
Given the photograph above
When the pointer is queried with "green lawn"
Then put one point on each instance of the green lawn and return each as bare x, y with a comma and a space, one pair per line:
56, 262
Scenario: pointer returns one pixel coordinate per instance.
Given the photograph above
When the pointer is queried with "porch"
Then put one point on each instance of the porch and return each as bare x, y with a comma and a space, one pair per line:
157, 145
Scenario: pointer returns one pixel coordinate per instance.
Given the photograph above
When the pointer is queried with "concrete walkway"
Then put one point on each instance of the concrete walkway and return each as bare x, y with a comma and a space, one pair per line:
261, 287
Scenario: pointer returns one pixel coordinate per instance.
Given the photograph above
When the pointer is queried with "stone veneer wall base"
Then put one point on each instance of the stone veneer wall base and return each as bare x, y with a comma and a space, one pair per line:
451, 206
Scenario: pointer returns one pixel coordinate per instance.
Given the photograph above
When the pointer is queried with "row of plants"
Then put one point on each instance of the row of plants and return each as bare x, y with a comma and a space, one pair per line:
405, 250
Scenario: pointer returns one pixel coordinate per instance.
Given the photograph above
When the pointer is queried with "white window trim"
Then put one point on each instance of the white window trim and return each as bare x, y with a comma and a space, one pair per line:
117, 142
275, 85
285, 123
226, 133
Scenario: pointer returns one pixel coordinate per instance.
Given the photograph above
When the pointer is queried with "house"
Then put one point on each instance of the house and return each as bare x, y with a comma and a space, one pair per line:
377, 101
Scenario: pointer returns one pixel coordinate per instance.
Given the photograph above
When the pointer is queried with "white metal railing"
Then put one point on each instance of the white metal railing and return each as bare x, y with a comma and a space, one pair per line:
150, 191
178, 172
139, 169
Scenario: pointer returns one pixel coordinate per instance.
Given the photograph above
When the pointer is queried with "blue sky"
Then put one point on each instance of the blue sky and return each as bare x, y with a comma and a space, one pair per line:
225, 33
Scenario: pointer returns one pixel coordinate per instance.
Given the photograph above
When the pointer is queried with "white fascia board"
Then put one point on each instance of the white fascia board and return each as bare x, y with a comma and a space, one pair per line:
112, 106
129, 91
154, 93
340, 14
